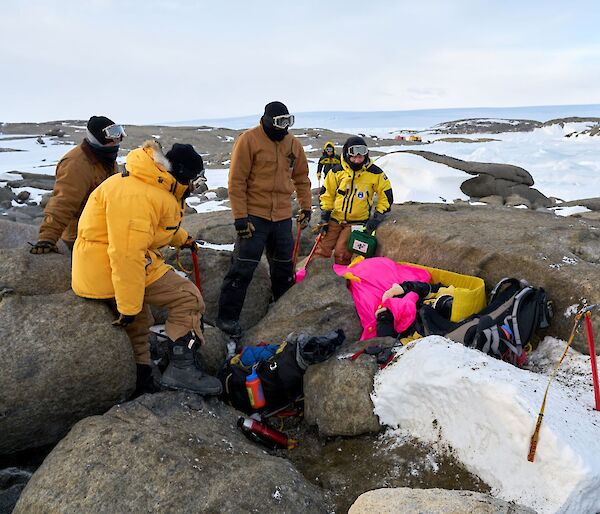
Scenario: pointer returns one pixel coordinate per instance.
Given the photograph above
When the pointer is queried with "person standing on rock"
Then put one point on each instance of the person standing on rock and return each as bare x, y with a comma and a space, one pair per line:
328, 161
347, 199
267, 165
117, 257
78, 173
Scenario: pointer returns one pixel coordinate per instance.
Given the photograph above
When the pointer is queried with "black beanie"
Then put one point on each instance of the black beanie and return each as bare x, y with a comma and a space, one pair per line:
96, 124
273, 109
186, 163
351, 141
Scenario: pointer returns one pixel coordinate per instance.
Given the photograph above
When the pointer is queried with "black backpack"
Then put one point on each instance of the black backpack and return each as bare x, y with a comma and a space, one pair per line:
281, 378
504, 328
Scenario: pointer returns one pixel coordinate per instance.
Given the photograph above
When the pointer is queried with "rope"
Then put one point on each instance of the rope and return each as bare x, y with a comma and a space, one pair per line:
536, 433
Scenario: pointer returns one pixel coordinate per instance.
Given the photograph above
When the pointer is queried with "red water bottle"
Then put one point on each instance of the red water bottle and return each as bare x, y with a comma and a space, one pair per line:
267, 434
255, 390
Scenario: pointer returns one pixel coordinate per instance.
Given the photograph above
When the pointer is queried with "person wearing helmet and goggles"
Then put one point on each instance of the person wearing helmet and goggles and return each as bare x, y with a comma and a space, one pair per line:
78, 173
328, 160
267, 165
356, 192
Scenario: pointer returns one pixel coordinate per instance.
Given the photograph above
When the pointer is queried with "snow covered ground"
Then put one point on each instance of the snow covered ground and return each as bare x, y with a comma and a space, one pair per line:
565, 167
430, 391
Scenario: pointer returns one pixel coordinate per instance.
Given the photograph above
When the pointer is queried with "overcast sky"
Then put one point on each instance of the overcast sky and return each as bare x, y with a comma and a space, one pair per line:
141, 61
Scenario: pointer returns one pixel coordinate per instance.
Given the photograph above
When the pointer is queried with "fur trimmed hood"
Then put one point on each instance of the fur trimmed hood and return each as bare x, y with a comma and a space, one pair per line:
157, 153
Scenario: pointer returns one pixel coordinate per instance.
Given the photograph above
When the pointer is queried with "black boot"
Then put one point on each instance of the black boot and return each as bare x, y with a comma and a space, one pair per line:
230, 327
144, 383
184, 373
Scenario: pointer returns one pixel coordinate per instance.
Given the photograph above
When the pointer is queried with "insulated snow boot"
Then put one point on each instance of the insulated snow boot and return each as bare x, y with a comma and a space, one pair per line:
230, 327
183, 371
144, 383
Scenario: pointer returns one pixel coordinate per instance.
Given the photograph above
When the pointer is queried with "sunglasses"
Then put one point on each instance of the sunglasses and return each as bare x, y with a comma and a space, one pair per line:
284, 121
114, 132
355, 150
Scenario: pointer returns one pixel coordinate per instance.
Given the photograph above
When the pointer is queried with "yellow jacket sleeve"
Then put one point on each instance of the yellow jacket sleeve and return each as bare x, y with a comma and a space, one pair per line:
239, 171
327, 199
179, 237
385, 195
129, 237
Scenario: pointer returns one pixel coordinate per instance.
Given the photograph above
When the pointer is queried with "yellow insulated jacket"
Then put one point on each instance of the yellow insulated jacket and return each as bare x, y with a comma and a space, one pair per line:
125, 222
350, 194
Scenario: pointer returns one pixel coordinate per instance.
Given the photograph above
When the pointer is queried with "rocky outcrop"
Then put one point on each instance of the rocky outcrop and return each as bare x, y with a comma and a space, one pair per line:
317, 305
561, 255
337, 392
492, 179
439, 501
213, 265
16, 235
12, 482
62, 360
167, 452
29, 274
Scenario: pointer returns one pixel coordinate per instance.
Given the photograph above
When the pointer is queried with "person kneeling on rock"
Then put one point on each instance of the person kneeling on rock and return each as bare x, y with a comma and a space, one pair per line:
117, 257
347, 197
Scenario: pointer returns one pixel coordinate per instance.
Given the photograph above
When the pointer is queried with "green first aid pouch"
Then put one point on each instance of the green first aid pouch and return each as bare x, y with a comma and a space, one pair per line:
362, 243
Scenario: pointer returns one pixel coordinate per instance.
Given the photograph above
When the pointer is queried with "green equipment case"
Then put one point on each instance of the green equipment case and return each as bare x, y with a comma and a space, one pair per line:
362, 243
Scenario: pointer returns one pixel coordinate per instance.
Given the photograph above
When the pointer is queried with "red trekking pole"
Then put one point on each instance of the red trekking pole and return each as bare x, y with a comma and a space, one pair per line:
296, 248
590, 338
196, 269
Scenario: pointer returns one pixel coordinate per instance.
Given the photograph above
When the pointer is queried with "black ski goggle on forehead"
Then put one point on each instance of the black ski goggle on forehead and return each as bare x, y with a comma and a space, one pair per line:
283, 121
355, 150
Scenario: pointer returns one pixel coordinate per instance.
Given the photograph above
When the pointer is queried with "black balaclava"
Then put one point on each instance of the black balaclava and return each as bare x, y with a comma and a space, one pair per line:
351, 141
186, 163
104, 149
271, 110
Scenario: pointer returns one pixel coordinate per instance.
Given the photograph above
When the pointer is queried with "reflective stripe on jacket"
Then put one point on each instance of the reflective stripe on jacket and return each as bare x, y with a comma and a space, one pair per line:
350, 194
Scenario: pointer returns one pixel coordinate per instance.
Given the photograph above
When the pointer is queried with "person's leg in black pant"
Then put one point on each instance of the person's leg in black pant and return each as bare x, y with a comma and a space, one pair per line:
245, 259
280, 247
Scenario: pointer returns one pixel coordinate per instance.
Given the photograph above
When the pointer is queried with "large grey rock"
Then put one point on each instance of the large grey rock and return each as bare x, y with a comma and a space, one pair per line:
213, 265
213, 227
318, 304
29, 274
62, 360
168, 452
337, 392
16, 235
561, 255
6, 194
403, 500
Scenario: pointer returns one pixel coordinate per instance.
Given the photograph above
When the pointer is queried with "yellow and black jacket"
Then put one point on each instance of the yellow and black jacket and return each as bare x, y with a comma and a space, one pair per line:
326, 162
349, 194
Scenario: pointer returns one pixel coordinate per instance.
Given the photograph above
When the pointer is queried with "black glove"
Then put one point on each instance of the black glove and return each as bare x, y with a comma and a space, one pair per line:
244, 228
373, 223
304, 218
43, 247
123, 320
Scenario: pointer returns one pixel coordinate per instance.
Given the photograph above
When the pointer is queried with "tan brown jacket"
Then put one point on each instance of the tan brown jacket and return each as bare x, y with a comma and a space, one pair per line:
77, 174
264, 174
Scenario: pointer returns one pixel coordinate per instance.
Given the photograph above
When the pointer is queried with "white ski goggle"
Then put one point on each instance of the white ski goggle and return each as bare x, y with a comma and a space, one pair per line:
355, 150
284, 121
114, 132
198, 183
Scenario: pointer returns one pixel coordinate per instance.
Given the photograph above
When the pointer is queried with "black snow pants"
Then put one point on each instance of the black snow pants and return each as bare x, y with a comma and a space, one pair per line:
276, 237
